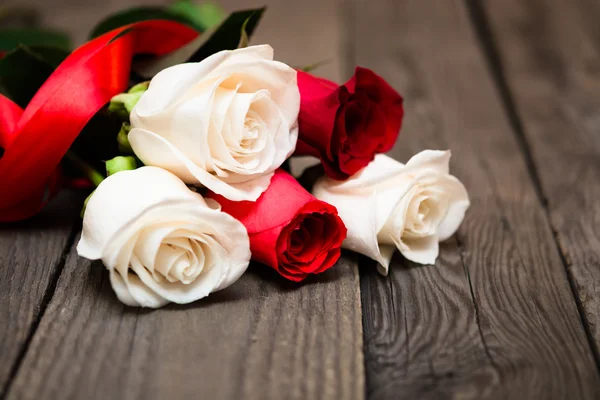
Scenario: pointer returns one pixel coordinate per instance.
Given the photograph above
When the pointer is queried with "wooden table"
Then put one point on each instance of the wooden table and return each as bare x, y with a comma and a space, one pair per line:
511, 309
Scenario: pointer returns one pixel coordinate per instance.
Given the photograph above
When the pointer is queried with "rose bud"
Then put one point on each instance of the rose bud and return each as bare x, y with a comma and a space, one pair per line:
345, 126
122, 104
221, 123
387, 204
290, 230
160, 241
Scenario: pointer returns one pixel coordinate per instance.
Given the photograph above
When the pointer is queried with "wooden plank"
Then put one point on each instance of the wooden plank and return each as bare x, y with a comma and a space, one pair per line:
31, 257
508, 326
551, 55
261, 338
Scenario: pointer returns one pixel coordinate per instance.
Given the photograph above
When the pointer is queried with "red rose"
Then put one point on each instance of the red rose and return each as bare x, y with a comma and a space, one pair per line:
289, 229
345, 126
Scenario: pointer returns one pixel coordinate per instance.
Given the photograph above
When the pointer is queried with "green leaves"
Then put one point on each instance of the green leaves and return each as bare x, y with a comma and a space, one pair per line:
244, 39
225, 36
123, 139
136, 15
10, 39
122, 104
201, 17
204, 16
87, 170
32, 54
120, 163
24, 70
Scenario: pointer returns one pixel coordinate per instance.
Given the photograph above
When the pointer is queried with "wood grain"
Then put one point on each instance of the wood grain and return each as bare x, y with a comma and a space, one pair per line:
262, 338
259, 339
550, 52
30, 259
508, 326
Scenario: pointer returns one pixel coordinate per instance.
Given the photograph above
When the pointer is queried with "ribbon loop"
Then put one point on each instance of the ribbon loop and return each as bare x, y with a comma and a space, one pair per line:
36, 139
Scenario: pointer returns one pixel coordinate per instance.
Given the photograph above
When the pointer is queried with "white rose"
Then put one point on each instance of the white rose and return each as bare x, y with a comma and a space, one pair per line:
160, 241
226, 122
411, 207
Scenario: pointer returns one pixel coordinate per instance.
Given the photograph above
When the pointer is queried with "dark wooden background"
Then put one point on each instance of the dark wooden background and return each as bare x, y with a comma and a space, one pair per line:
510, 310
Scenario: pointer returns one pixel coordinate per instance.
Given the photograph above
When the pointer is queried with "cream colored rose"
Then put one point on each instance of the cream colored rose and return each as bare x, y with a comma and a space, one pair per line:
160, 241
226, 122
389, 205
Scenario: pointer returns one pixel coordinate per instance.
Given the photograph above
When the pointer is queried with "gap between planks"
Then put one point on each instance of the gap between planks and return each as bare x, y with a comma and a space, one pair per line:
538, 296
269, 299
46, 299
485, 36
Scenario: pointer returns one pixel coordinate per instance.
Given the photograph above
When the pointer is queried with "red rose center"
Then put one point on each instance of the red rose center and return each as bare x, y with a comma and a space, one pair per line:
310, 243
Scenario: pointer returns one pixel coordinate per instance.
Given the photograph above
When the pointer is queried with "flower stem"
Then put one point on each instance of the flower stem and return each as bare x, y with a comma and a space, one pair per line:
88, 171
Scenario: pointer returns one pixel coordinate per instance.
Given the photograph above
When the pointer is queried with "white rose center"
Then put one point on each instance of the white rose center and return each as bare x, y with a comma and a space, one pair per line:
179, 260
425, 212
243, 128
177, 256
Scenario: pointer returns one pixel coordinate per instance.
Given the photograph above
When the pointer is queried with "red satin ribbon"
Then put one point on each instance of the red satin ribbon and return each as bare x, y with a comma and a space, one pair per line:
36, 139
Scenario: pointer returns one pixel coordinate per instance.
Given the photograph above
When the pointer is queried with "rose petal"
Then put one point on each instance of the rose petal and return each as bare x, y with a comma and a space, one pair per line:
147, 184
423, 250
167, 156
459, 203
412, 206
435, 159
191, 121
143, 212
172, 83
133, 292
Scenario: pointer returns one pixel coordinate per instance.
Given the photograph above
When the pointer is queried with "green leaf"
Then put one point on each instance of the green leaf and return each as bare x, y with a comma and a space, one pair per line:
204, 15
225, 36
244, 39
123, 139
97, 141
10, 39
22, 72
84, 168
136, 15
25, 69
140, 87
51, 55
120, 163
122, 104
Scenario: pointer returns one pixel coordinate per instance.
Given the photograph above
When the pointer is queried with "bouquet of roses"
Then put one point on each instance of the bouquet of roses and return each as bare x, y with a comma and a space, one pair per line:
193, 128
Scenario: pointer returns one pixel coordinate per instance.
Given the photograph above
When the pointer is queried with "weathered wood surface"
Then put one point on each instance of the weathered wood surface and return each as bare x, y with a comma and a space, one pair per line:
550, 53
31, 257
495, 318
261, 338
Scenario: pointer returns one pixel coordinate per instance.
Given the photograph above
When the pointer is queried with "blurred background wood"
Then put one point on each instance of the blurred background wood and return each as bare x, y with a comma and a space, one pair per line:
511, 308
